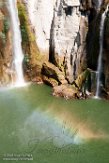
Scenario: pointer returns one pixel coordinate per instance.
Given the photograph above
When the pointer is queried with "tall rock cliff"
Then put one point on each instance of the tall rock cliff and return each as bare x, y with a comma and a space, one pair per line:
67, 34
61, 30
60, 40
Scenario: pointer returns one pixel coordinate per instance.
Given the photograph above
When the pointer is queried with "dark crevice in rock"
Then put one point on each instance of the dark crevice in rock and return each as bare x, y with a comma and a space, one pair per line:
52, 43
92, 42
68, 10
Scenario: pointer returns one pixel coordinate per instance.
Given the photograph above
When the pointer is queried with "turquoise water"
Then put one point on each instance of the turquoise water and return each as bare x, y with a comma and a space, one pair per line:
40, 128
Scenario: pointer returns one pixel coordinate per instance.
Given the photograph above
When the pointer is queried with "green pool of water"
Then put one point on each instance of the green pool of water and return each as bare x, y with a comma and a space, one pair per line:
37, 127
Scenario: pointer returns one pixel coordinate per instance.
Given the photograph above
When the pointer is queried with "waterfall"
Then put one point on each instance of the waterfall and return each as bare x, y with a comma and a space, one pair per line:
99, 68
17, 48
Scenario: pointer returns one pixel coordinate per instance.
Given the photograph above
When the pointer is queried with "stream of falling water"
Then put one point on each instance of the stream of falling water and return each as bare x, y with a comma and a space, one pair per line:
17, 48
99, 68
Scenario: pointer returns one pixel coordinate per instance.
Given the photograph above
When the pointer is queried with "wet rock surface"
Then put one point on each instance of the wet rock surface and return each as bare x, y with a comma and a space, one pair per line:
51, 71
5, 46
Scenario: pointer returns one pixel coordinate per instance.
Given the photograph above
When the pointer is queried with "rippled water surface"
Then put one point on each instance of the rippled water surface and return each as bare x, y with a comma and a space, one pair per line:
38, 127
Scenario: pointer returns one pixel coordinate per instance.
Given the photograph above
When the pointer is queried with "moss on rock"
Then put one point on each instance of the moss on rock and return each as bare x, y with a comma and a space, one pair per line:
33, 59
51, 71
5, 45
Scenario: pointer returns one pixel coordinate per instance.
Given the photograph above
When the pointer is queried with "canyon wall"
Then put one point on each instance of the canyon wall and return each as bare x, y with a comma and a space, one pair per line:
61, 31
67, 34
60, 41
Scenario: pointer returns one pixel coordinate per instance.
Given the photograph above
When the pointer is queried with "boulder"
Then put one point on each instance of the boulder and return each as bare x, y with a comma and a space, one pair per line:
51, 71
81, 79
50, 81
67, 91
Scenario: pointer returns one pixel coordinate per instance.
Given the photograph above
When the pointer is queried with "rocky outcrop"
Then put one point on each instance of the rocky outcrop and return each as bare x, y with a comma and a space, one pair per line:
62, 36
67, 92
60, 33
52, 74
79, 89
67, 35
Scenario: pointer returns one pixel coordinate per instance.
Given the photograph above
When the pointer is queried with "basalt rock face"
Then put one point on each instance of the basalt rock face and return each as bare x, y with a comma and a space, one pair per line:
5, 46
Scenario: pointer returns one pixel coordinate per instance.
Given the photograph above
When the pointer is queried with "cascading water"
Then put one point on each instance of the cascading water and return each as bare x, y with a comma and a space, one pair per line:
17, 48
99, 68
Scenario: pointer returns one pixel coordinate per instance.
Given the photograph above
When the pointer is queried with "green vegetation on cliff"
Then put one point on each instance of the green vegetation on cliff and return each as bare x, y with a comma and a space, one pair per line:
33, 59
